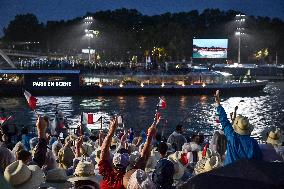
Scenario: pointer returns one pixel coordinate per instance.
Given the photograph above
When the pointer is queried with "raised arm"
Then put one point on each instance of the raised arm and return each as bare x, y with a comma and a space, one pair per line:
226, 125
41, 148
107, 141
141, 163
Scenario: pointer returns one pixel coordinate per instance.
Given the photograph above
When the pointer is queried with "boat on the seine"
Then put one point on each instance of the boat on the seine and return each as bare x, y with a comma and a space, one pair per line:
73, 82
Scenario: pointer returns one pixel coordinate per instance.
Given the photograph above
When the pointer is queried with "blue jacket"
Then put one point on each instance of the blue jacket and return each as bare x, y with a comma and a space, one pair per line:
238, 146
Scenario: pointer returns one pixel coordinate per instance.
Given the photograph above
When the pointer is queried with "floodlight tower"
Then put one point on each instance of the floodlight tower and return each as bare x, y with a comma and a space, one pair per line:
89, 20
240, 18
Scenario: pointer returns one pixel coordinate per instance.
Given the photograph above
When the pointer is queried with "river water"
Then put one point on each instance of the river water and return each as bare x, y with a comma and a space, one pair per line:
264, 110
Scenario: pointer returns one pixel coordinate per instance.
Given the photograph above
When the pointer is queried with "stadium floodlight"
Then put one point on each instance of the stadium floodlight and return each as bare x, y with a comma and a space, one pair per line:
240, 18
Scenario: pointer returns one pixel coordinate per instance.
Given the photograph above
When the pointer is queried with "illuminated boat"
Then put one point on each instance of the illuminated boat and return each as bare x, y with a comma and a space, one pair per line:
72, 82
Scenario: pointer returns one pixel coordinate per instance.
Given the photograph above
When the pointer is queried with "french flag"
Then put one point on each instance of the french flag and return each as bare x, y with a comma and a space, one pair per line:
2, 120
162, 103
87, 118
31, 100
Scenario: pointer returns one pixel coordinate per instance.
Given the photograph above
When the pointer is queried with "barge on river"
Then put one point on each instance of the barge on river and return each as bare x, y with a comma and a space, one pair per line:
73, 82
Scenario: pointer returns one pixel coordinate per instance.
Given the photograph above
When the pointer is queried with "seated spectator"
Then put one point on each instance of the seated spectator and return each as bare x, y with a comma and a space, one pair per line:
56, 178
84, 176
239, 143
21, 176
268, 150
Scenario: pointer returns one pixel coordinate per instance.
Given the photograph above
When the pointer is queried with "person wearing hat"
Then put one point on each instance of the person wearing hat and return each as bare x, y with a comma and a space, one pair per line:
56, 178
21, 176
269, 149
84, 176
239, 143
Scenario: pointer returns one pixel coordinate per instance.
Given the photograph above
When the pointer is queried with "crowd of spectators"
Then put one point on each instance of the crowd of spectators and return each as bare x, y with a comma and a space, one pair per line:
122, 160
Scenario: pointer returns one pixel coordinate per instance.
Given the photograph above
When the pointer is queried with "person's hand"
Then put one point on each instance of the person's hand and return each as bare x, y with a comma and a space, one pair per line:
236, 108
113, 125
231, 115
41, 126
79, 142
217, 97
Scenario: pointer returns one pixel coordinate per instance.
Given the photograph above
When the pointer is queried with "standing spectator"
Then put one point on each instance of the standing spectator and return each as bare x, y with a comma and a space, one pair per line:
239, 143
176, 139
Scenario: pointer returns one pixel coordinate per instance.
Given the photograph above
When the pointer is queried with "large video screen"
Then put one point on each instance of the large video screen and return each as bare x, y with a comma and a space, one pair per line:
210, 48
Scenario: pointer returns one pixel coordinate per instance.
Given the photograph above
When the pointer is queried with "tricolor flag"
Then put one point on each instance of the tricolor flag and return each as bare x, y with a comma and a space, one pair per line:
162, 103
31, 100
2, 120
87, 118
205, 150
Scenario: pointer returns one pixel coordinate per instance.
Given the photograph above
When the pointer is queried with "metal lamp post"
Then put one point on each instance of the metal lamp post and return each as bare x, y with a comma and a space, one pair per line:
88, 20
90, 34
240, 18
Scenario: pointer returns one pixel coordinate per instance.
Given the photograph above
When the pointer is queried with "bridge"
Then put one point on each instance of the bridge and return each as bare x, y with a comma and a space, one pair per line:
5, 53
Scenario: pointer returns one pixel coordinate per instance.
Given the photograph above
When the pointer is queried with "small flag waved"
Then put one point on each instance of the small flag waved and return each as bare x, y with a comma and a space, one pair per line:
3, 120
31, 100
162, 103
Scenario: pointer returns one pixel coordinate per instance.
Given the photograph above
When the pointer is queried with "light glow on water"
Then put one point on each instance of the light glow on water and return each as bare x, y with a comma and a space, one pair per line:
195, 112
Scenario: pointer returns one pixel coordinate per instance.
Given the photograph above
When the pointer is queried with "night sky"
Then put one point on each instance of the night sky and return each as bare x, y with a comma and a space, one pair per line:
67, 9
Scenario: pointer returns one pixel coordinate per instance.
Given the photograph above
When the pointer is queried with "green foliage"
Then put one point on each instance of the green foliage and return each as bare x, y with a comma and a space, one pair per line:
125, 33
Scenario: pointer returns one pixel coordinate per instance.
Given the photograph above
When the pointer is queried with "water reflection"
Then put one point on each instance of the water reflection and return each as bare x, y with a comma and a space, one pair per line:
194, 112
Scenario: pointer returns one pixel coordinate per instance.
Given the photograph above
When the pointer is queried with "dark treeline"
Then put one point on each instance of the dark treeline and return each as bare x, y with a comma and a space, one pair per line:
125, 33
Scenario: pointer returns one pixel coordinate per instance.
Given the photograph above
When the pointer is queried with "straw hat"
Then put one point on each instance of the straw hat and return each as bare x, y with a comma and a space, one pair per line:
56, 178
179, 168
21, 176
207, 164
85, 171
242, 126
274, 138
211, 163
152, 161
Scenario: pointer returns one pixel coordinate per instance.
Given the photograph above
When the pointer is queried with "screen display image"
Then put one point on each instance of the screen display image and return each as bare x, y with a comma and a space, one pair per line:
210, 48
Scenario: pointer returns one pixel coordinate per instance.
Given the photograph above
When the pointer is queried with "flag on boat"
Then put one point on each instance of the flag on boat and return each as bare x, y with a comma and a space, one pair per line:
162, 103
31, 100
